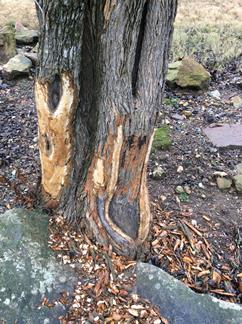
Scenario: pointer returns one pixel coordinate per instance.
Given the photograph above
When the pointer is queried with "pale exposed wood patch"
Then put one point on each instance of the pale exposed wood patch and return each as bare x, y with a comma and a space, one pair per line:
98, 174
105, 176
117, 146
108, 8
145, 216
111, 186
57, 129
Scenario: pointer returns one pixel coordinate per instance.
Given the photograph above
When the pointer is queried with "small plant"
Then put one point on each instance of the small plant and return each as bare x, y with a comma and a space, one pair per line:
170, 101
184, 197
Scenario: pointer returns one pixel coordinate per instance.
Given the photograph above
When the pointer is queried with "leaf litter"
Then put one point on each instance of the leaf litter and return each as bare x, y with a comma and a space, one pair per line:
185, 251
105, 292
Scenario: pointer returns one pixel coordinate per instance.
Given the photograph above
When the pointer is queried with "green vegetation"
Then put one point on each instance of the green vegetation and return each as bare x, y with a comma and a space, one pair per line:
184, 197
170, 101
162, 138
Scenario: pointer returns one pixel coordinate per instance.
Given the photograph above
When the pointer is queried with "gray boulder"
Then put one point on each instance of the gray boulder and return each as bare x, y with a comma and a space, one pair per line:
29, 270
16, 66
178, 303
187, 73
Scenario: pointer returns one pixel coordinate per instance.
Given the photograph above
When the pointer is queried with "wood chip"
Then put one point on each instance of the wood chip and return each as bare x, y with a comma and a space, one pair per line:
133, 312
206, 218
216, 277
203, 273
222, 292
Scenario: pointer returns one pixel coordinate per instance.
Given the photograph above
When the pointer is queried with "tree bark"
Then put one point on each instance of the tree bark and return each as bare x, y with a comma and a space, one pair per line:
98, 91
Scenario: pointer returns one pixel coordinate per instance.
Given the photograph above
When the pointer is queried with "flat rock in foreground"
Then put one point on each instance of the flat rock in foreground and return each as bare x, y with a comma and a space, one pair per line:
179, 304
225, 135
29, 270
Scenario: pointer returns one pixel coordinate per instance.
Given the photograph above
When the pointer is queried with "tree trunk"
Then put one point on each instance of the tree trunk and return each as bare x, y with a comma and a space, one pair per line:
98, 90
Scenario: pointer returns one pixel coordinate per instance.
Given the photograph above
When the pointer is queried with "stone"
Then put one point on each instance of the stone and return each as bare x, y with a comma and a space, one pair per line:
32, 56
187, 189
201, 185
237, 101
179, 304
29, 270
225, 135
220, 173
238, 182
35, 49
158, 173
187, 73
209, 117
179, 189
24, 35
237, 81
7, 43
178, 117
224, 183
187, 113
215, 94
239, 168
180, 169
17, 66
3, 86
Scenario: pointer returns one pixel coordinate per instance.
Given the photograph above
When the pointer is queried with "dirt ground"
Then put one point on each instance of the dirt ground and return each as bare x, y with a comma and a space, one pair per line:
191, 162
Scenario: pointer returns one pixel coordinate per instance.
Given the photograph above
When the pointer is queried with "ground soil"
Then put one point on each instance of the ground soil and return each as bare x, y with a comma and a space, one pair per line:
214, 213
199, 159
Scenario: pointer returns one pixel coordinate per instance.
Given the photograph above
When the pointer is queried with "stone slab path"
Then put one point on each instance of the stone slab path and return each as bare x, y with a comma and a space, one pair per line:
225, 135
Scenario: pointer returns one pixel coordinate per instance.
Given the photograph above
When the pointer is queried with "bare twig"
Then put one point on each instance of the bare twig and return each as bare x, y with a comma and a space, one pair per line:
187, 233
193, 228
41, 10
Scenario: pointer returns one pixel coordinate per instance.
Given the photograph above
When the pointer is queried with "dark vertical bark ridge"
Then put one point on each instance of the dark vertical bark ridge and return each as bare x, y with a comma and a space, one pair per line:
139, 48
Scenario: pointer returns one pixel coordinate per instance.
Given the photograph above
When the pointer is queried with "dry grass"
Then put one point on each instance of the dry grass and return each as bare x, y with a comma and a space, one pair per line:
210, 30
18, 10
210, 12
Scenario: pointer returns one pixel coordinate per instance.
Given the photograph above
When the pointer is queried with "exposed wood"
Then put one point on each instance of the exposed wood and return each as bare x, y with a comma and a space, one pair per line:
108, 7
56, 135
145, 216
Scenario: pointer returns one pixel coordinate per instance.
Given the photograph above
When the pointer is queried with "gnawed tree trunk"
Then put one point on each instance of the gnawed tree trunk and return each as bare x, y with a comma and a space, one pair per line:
98, 91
